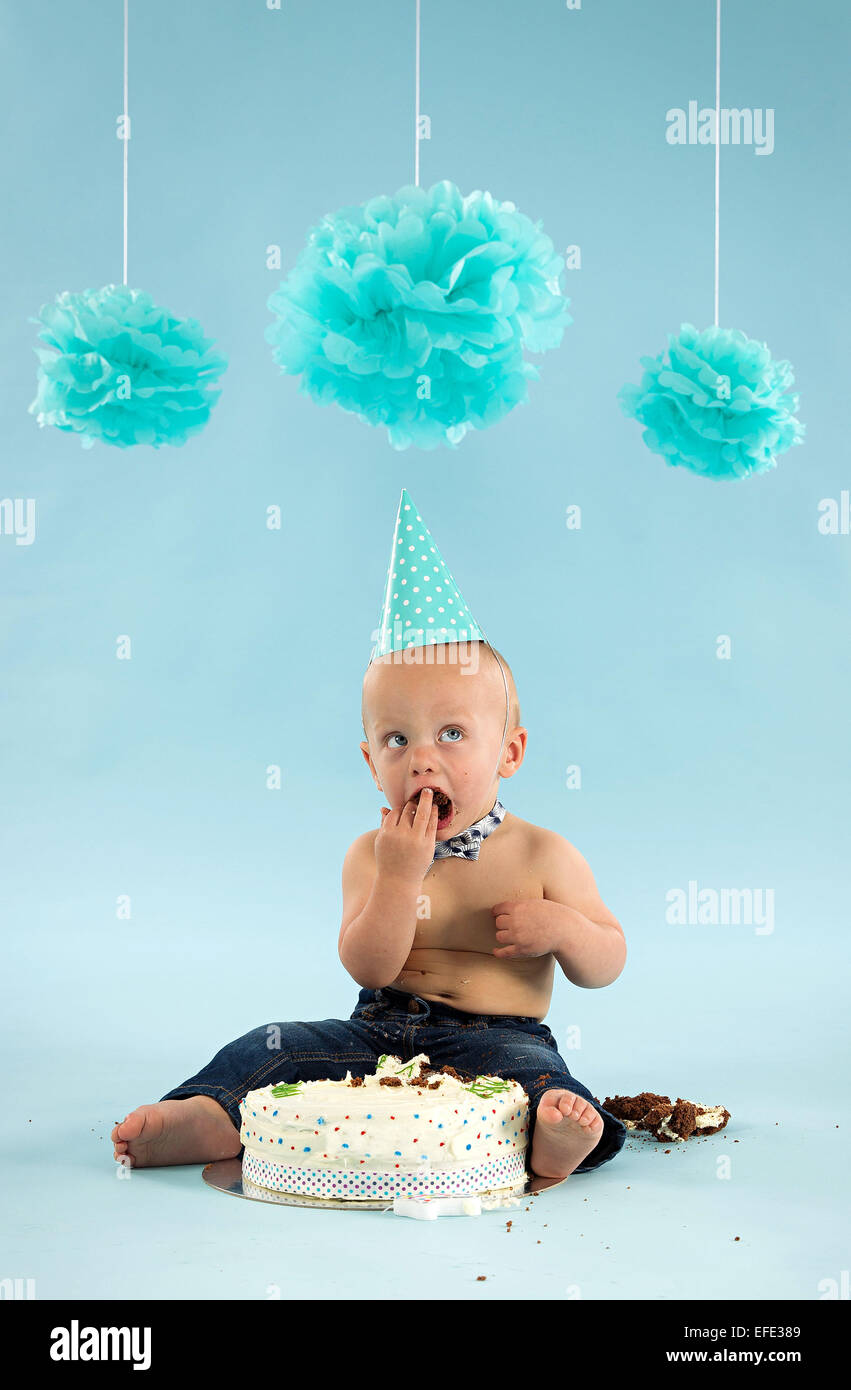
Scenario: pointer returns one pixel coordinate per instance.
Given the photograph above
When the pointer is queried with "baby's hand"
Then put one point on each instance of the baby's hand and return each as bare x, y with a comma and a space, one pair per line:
404, 845
527, 927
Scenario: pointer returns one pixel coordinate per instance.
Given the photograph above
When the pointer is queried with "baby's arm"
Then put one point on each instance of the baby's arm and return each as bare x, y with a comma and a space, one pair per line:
379, 918
594, 951
382, 879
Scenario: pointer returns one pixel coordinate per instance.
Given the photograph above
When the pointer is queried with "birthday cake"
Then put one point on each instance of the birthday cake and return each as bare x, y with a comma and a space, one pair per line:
406, 1130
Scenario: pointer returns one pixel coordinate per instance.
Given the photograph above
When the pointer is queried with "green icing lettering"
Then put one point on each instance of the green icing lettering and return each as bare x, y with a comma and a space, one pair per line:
286, 1088
486, 1086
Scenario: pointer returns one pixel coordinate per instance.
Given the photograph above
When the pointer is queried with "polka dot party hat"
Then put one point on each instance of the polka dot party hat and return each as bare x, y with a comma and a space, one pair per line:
422, 602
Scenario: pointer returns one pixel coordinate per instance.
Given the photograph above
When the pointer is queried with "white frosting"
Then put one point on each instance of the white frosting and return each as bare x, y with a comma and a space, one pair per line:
331, 1125
708, 1116
712, 1115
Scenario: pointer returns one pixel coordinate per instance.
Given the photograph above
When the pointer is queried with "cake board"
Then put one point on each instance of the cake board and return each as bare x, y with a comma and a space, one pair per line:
226, 1176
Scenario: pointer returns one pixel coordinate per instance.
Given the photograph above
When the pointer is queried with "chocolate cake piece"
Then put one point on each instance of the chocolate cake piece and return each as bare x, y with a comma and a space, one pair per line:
657, 1115
634, 1107
459, 1076
683, 1119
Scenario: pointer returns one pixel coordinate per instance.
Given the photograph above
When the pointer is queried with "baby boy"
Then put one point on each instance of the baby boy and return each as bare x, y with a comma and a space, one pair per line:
455, 914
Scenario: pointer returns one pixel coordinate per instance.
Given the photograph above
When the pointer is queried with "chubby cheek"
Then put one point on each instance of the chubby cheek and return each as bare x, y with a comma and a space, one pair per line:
391, 780
470, 783
473, 768
385, 778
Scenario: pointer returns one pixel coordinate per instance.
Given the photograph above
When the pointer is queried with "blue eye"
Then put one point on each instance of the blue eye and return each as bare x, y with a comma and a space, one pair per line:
453, 730
391, 744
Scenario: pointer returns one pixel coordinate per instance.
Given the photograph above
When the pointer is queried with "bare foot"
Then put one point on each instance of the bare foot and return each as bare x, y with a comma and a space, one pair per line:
567, 1128
195, 1130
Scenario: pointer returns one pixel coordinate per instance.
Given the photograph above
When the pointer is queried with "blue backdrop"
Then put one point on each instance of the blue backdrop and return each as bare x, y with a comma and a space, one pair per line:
144, 780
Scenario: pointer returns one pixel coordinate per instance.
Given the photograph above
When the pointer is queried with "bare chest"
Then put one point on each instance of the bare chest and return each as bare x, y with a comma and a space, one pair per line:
455, 904
451, 957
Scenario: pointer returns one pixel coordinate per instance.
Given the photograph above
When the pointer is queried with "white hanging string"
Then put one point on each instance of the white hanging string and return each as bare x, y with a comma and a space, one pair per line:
126, 140
717, 139
417, 105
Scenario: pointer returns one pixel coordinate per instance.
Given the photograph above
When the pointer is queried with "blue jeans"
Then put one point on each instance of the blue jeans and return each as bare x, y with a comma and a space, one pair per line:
392, 1021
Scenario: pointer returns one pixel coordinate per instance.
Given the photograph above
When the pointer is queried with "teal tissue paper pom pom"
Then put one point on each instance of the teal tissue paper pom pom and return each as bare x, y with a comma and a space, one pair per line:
719, 407
123, 370
412, 312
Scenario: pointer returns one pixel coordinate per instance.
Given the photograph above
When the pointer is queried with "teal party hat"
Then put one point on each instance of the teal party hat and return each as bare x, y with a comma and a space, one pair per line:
422, 603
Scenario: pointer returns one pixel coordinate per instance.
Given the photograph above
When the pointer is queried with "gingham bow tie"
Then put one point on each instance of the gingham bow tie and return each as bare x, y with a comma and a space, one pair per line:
467, 843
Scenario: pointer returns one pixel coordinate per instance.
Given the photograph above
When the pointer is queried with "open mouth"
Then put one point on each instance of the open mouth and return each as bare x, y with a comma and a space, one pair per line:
443, 804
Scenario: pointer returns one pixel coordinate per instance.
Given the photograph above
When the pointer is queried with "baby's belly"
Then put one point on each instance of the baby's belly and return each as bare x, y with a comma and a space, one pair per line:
479, 983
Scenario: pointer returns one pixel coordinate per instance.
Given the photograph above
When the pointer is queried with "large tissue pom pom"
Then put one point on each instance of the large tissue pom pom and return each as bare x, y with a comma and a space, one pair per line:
124, 371
719, 407
412, 312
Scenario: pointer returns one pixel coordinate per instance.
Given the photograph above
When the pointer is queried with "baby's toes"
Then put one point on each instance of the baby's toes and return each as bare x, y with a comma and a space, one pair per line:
550, 1106
568, 1103
590, 1118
